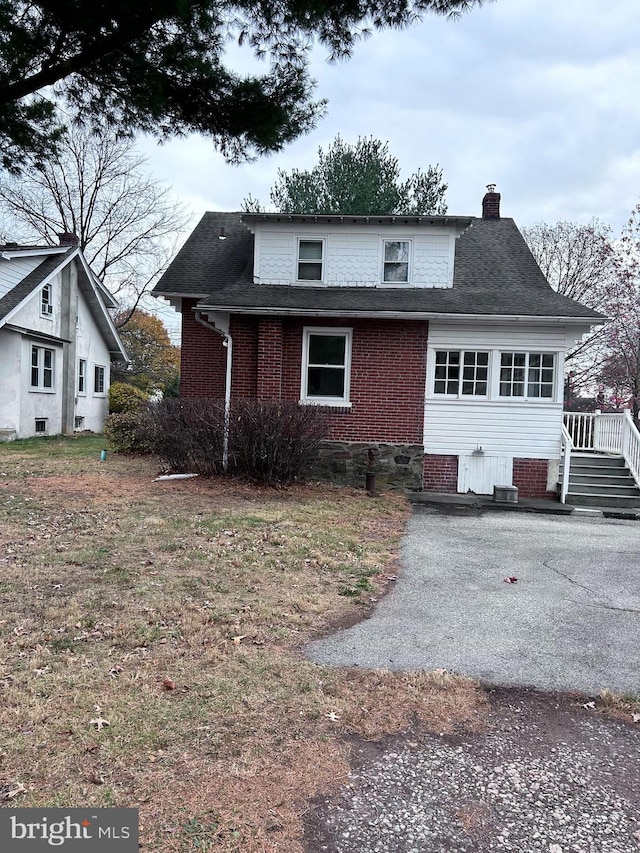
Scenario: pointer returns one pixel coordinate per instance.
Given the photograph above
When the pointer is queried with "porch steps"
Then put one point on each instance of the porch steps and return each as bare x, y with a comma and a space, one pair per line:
601, 480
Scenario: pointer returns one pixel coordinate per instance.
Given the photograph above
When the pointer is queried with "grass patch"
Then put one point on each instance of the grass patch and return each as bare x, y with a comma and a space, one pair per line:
154, 645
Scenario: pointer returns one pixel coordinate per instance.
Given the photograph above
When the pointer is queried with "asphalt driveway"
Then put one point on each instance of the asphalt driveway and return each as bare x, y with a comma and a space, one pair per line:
570, 622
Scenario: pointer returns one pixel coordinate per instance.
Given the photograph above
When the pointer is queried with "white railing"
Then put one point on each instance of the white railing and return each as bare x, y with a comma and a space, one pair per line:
567, 447
580, 426
631, 445
607, 433
603, 433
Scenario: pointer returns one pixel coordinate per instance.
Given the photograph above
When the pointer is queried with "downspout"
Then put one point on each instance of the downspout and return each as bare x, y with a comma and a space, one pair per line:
228, 343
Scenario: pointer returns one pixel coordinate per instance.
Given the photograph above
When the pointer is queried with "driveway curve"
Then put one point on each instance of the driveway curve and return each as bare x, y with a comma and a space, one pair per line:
570, 620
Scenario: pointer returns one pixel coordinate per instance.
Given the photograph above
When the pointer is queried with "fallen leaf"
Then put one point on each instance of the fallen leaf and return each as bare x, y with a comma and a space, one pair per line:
332, 716
99, 723
589, 705
511, 579
12, 793
168, 684
237, 640
95, 778
635, 718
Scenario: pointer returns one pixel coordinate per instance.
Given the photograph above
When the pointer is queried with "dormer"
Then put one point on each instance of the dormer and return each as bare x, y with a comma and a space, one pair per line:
354, 251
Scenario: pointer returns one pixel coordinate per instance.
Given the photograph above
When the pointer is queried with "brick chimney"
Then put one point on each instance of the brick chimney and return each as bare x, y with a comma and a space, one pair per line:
68, 238
491, 203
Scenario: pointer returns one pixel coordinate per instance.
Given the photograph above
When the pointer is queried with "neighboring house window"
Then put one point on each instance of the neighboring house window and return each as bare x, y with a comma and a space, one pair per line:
82, 376
527, 374
310, 260
98, 379
396, 260
461, 373
46, 304
326, 366
42, 364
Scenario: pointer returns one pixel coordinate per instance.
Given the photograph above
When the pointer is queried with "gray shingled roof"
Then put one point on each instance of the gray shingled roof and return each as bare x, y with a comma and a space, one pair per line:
494, 274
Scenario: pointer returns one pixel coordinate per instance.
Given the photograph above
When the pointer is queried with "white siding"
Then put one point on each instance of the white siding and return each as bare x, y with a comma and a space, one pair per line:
502, 427
40, 404
13, 271
353, 255
10, 377
28, 315
91, 347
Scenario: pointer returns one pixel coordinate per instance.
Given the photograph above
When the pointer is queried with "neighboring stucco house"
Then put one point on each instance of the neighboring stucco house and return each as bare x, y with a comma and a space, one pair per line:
434, 341
57, 341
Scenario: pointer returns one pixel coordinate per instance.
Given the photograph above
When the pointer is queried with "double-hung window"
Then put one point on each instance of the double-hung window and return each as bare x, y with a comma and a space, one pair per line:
42, 368
82, 376
397, 255
310, 260
461, 373
46, 302
326, 362
98, 379
527, 374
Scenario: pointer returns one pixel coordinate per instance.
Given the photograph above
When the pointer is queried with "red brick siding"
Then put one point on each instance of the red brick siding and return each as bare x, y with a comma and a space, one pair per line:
440, 473
388, 359
388, 362
244, 373
530, 476
269, 377
203, 360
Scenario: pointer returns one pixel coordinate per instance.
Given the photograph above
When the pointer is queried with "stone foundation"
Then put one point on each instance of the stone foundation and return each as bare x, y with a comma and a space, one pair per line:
348, 462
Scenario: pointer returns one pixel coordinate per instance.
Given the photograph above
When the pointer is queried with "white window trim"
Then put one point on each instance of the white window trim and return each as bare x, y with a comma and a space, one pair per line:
526, 398
104, 380
459, 395
345, 400
48, 313
310, 238
493, 395
82, 393
40, 388
383, 241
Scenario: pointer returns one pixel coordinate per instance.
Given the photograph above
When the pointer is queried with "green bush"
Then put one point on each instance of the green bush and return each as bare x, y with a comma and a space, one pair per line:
127, 432
125, 398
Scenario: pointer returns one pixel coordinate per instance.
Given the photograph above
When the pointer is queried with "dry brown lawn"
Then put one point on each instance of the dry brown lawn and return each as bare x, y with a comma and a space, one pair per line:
150, 638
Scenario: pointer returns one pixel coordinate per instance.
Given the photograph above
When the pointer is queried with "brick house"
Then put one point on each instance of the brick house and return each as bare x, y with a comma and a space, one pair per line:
436, 342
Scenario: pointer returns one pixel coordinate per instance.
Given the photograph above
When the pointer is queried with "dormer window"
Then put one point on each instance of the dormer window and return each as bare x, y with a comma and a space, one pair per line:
46, 303
397, 254
310, 260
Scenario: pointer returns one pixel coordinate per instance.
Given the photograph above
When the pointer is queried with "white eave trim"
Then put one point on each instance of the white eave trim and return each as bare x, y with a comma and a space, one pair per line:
404, 315
9, 254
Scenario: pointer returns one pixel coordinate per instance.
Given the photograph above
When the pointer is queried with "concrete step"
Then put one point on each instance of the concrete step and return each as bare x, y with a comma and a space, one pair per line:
8, 435
583, 499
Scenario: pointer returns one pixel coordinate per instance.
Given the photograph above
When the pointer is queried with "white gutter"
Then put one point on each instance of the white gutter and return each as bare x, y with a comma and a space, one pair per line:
406, 315
228, 343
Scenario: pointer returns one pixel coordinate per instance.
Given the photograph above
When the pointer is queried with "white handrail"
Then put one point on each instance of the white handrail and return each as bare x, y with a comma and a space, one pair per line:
567, 446
631, 445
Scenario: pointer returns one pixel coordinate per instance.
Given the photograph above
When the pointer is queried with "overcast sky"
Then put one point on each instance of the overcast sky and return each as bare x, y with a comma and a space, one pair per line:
539, 97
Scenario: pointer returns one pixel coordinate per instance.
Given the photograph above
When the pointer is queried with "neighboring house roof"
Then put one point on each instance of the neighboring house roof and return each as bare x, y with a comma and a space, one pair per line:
54, 259
495, 275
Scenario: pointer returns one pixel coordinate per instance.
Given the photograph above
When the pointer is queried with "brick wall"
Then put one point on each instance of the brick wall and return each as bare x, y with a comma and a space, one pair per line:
530, 476
440, 473
388, 362
203, 358
269, 377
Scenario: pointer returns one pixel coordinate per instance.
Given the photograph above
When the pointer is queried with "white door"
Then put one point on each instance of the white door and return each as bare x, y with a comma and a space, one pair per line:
480, 472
